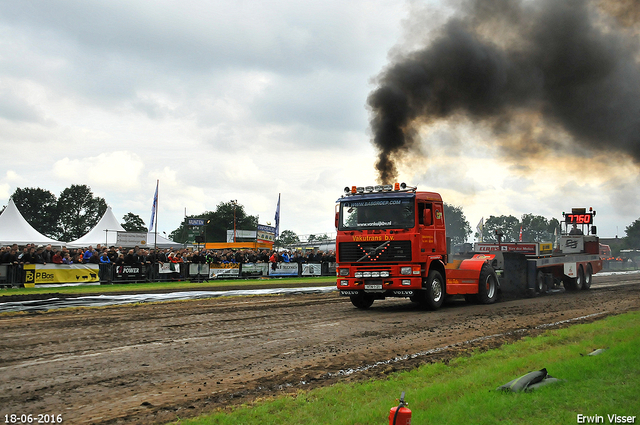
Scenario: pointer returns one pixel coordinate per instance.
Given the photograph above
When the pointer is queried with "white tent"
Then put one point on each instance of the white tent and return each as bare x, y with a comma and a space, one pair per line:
105, 233
15, 229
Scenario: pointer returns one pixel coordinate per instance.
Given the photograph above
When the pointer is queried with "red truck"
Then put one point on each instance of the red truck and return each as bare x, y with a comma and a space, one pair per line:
391, 242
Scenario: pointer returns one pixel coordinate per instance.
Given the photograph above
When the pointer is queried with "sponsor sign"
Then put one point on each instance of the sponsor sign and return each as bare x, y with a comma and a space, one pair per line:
241, 234
198, 269
221, 271
266, 234
65, 273
571, 244
311, 269
255, 269
284, 269
131, 239
128, 272
546, 248
522, 248
196, 222
169, 268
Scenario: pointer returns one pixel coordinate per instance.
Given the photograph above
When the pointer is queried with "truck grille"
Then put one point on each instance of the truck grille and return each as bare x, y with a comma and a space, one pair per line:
367, 252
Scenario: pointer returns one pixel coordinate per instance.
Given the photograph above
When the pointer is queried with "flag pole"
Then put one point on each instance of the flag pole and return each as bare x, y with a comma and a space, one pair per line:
155, 242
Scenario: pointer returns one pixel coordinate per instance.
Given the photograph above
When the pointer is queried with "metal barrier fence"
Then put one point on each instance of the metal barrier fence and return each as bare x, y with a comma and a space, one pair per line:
12, 275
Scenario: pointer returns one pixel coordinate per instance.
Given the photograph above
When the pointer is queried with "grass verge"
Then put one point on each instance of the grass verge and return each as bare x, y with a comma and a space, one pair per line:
169, 286
463, 391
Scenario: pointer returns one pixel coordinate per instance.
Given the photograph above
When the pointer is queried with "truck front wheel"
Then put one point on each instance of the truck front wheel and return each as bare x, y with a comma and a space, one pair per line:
362, 301
434, 291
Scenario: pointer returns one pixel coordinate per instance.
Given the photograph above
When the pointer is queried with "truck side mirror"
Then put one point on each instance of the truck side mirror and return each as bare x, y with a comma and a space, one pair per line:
426, 217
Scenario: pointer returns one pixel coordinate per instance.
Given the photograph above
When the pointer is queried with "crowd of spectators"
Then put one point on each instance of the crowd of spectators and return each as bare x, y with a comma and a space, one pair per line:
32, 254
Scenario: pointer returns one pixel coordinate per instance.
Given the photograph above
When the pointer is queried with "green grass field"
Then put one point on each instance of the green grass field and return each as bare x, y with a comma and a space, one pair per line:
169, 286
464, 391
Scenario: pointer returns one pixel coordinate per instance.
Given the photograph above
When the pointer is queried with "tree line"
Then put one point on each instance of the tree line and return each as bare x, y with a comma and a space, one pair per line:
69, 216
76, 211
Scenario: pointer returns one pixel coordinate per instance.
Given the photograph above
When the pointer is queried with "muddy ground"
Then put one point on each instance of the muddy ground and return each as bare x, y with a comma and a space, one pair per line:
153, 363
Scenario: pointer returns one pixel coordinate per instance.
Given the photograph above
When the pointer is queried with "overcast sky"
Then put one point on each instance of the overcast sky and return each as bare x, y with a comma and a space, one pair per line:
222, 100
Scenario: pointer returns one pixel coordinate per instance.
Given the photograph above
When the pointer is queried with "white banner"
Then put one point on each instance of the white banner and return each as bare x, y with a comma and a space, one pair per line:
311, 269
571, 244
198, 269
130, 239
167, 268
284, 269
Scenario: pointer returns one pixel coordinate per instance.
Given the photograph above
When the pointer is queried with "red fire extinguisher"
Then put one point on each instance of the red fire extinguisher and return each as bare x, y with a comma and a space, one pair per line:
400, 415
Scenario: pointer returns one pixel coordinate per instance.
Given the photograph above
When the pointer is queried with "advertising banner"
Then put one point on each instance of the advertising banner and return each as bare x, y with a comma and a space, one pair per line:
198, 269
60, 273
255, 269
284, 269
571, 244
169, 268
135, 272
222, 271
312, 269
266, 234
523, 248
130, 239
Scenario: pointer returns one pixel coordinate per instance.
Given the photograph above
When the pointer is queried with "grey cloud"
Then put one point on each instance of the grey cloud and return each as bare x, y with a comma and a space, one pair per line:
15, 108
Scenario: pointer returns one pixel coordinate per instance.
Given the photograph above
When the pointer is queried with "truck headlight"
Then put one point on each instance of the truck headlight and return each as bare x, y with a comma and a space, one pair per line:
357, 275
344, 272
405, 270
384, 274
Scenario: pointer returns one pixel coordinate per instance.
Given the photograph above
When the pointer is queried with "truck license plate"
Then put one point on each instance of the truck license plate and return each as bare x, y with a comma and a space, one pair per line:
373, 286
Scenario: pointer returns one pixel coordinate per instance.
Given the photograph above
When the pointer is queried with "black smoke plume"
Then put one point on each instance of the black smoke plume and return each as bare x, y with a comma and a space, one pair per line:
564, 61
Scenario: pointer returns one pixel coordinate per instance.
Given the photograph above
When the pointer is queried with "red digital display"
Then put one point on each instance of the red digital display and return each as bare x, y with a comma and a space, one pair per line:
579, 218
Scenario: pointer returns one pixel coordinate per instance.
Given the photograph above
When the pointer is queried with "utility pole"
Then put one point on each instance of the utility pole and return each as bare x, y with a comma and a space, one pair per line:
234, 202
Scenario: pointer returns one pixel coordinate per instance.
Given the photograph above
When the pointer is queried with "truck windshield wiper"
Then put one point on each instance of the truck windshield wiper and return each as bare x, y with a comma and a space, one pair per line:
373, 251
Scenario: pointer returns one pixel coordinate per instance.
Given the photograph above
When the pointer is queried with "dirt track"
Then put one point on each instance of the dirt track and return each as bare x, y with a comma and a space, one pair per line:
154, 363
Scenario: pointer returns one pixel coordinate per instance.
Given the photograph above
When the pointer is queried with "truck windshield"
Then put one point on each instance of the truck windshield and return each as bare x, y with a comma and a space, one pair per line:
378, 213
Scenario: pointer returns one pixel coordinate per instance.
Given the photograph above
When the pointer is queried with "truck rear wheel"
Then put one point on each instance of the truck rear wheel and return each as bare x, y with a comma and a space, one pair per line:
487, 285
580, 278
541, 286
588, 277
362, 301
434, 291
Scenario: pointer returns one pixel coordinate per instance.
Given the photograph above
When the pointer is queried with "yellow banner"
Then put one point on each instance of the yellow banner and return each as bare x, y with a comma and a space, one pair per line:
63, 273
546, 248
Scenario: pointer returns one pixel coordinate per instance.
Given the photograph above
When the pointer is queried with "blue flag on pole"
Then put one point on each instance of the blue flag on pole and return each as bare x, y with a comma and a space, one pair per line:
154, 207
278, 217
